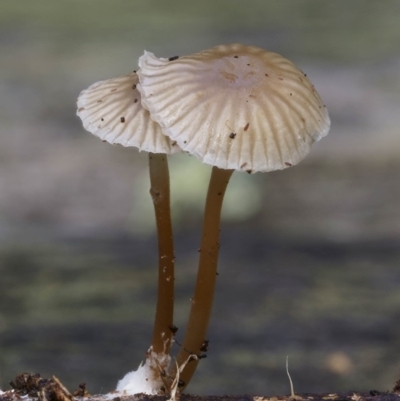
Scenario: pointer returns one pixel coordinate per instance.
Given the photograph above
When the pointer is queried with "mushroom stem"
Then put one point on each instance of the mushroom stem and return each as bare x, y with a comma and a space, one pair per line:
160, 194
195, 336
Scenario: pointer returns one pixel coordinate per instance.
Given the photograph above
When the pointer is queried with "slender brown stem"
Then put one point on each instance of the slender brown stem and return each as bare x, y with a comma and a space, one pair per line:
159, 179
206, 277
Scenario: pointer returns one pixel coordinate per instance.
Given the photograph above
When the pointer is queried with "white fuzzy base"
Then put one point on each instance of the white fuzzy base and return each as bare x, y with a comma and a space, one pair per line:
146, 379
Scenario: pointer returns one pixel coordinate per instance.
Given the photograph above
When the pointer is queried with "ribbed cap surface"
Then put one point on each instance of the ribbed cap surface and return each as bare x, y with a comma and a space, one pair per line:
112, 110
234, 106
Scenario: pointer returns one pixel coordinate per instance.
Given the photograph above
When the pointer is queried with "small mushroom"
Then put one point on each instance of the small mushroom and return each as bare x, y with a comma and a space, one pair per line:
234, 107
112, 110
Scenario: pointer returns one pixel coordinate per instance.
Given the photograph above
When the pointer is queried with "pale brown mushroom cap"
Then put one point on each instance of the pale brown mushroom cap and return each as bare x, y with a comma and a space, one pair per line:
234, 106
112, 110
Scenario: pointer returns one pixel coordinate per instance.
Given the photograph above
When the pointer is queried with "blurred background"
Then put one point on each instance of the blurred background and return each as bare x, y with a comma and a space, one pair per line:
310, 257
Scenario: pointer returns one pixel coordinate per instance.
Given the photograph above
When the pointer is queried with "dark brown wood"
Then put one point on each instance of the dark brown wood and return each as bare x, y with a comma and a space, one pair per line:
350, 396
28, 387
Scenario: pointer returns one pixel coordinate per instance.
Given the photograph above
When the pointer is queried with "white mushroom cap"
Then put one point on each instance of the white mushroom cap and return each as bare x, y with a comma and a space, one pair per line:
112, 110
234, 106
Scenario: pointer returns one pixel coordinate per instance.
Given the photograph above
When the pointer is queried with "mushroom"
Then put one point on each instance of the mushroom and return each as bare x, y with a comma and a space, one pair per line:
234, 107
112, 110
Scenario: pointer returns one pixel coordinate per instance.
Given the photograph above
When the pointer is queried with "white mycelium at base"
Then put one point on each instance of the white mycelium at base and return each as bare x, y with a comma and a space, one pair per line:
143, 380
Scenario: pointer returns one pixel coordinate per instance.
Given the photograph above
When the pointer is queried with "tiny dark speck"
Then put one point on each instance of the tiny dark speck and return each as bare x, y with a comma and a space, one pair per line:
249, 171
122, 119
288, 164
134, 86
102, 119
235, 56
281, 79
232, 135
248, 65
173, 58
135, 101
173, 143
134, 71
246, 127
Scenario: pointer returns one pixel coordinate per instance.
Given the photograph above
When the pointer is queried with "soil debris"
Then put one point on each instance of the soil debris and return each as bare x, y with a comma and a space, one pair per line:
396, 388
81, 392
32, 387
28, 384
349, 396
35, 386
